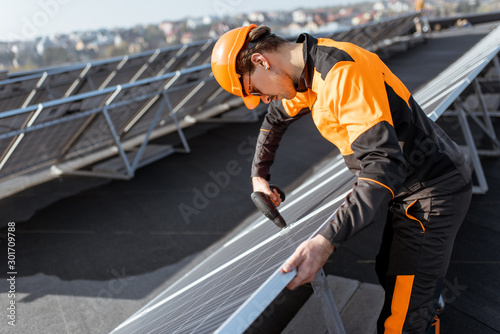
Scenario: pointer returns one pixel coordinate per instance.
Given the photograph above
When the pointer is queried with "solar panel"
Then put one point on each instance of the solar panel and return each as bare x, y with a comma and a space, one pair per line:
375, 35
182, 59
13, 122
79, 126
41, 146
203, 55
439, 94
17, 93
97, 76
159, 64
128, 70
218, 295
184, 95
123, 106
44, 131
48, 84
55, 86
54, 83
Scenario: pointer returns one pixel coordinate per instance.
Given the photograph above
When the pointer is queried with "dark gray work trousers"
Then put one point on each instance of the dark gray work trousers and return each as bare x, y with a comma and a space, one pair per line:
414, 256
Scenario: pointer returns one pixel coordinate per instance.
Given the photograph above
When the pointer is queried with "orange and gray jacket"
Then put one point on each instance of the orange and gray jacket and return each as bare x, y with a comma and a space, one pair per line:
386, 139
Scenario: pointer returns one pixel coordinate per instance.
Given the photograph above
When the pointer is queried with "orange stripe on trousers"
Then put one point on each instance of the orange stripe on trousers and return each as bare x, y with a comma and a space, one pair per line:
399, 307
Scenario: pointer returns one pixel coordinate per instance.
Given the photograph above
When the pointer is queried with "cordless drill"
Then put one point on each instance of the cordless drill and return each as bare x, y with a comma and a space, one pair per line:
267, 207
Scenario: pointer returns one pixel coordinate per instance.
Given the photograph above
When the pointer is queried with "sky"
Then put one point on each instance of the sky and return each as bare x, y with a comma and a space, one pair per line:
26, 19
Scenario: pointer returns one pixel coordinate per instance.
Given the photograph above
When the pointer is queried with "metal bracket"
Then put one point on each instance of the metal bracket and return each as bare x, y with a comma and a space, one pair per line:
131, 165
473, 153
322, 291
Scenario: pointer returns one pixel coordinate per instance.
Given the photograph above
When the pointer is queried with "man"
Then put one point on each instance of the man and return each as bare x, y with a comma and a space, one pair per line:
409, 172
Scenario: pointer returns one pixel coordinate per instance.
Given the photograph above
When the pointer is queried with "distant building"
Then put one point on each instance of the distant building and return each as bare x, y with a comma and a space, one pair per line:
300, 16
186, 38
257, 17
44, 43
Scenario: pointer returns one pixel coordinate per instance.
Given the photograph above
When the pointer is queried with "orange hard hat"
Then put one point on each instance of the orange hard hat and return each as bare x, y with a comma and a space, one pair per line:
224, 57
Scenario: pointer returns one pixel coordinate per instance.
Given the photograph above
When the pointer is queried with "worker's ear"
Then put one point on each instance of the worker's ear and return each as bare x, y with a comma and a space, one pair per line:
259, 60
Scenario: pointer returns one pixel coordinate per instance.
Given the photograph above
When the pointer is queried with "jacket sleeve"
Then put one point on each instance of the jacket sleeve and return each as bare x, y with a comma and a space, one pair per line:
366, 117
382, 169
275, 124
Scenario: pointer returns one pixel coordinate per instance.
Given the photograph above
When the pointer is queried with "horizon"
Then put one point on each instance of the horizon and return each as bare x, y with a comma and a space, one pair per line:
30, 19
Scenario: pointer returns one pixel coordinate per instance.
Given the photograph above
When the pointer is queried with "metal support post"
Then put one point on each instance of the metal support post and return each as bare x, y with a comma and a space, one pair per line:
489, 132
322, 291
187, 149
486, 117
152, 126
116, 138
496, 63
474, 156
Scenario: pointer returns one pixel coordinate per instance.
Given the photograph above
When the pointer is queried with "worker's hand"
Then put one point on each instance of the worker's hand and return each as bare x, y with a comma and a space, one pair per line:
260, 184
308, 259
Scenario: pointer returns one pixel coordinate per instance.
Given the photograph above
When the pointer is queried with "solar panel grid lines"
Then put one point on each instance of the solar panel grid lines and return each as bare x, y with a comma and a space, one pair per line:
145, 66
54, 87
124, 63
158, 65
112, 74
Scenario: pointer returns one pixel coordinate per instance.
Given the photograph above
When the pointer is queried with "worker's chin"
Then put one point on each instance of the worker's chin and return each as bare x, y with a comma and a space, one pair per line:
289, 95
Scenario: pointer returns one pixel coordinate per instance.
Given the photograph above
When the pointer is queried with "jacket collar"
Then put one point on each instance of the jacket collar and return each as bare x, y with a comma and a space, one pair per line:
308, 46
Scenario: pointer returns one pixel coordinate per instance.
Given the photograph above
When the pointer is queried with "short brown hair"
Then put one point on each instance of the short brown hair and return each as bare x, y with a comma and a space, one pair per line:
268, 43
